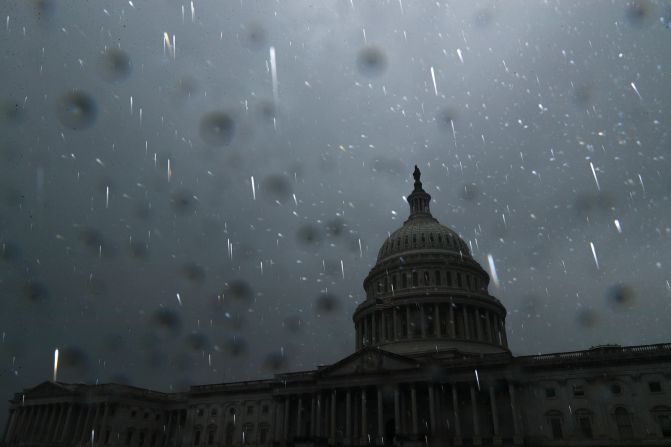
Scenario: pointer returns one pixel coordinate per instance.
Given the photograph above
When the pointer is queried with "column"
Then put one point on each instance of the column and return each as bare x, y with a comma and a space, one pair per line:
495, 414
407, 322
436, 320
299, 417
168, 427
513, 409
503, 333
432, 409
333, 414
467, 332
21, 422
476, 421
455, 408
373, 337
37, 423
348, 417
318, 425
395, 318
422, 317
81, 414
59, 423
103, 422
383, 326
285, 431
490, 329
397, 410
413, 403
364, 422
453, 329
312, 415
13, 416
380, 419
478, 324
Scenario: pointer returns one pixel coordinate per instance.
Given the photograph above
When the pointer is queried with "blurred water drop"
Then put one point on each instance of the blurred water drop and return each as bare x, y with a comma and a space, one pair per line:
217, 129
73, 359
197, 341
293, 324
255, 36
239, 289
276, 187
309, 235
327, 303
114, 65
587, 318
236, 346
77, 110
620, 296
638, 13
167, 322
193, 272
470, 192
35, 291
335, 227
372, 61
183, 202
275, 361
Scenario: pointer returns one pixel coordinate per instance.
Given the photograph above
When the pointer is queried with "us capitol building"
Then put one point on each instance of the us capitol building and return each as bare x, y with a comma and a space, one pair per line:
431, 368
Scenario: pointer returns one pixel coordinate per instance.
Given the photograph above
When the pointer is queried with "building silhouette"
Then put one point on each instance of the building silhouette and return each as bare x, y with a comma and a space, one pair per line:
431, 367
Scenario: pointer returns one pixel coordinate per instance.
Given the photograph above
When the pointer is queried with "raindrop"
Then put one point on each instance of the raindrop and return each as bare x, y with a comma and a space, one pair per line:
620, 296
372, 61
193, 272
335, 227
114, 65
587, 318
13, 111
327, 303
183, 202
445, 119
470, 192
309, 235
236, 346
638, 13
275, 361
240, 289
293, 324
73, 358
256, 36
217, 129
138, 250
77, 110
197, 341
276, 187
167, 322
35, 291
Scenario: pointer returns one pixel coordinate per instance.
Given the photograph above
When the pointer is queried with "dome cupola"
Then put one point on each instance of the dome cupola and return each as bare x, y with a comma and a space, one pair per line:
426, 295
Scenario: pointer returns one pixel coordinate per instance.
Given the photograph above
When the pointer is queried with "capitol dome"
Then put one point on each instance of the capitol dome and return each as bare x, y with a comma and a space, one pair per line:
426, 295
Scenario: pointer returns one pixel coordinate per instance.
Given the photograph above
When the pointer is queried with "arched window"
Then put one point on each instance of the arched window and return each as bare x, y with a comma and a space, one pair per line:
584, 419
555, 421
211, 433
427, 279
230, 432
623, 422
662, 414
264, 429
247, 433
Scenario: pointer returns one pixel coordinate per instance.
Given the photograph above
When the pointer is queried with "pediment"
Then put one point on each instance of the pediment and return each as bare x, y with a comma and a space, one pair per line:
47, 389
369, 361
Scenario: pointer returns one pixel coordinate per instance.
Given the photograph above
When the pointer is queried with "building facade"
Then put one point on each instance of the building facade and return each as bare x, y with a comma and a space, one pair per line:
431, 367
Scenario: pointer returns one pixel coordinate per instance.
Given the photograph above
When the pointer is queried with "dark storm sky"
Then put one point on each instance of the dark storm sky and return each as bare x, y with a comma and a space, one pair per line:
117, 214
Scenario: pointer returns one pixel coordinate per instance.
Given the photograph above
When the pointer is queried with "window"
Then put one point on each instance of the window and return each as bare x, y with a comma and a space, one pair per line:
578, 391
264, 409
140, 441
250, 409
146, 415
427, 281
263, 433
210, 435
655, 387
584, 419
247, 433
230, 431
616, 388
448, 279
231, 411
662, 414
213, 413
129, 436
404, 281
554, 419
623, 422
199, 412
133, 413
437, 274
550, 393
107, 436
415, 279
459, 280
196, 437
154, 435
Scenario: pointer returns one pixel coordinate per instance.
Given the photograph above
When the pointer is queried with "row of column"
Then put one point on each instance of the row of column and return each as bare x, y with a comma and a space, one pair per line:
316, 415
456, 321
56, 423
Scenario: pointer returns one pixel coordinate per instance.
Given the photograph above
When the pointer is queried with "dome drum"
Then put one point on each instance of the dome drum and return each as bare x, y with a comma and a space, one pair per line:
426, 294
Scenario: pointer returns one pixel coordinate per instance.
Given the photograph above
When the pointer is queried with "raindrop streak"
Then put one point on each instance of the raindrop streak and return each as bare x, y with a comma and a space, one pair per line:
596, 261
492, 270
273, 73
342, 269
433, 78
179, 299
477, 379
594, 174
253, 188
461, 58
169, 170
107, 197
617, 225
55, 364
636, 90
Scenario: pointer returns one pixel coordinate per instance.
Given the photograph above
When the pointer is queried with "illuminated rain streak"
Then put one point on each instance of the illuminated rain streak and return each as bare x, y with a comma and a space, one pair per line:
492, 270
594, 174
168, 44
477, 379
433, 78
253, 188
596, 261
179, 299
55, 364
617, 226
131, 105
93, 435
461, 57
107, 197
169, 171
193, 13
640, 180
273, 74
636, 90
342, 269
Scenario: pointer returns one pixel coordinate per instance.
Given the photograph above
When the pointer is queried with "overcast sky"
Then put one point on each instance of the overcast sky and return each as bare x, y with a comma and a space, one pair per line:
194, 192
